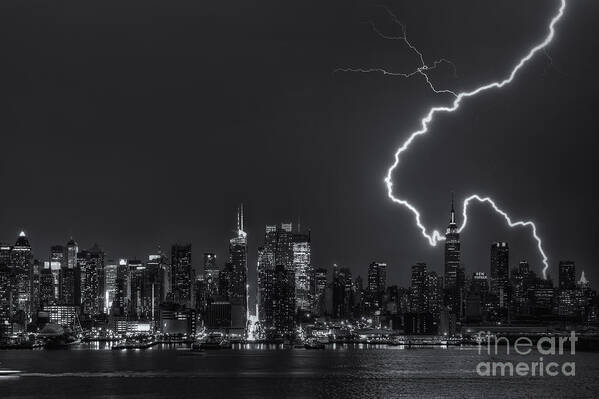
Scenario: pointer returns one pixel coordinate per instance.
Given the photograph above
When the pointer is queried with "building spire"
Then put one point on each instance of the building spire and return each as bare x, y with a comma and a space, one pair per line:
583, 279
241, 217
452, 217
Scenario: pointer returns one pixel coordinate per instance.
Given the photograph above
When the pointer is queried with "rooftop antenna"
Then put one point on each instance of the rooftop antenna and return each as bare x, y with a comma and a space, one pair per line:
241, 217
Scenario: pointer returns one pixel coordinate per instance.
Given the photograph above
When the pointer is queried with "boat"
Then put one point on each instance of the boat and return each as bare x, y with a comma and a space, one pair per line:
313, 343
133, 344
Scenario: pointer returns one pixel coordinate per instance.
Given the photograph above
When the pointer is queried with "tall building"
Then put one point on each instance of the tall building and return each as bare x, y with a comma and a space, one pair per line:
238, 290
342, 292
21, 262
120, 302
567, 275
182, 276
47, 289
435, 294
136, 272
377, 284
110, 280
283, 301
319, 292
454, 274
302, 268
210, 267
69, 290
57, 262
154, 278
5, 290
500, 276
70, 287
71, 254
419, 288
91, 271
34, 290
278, 250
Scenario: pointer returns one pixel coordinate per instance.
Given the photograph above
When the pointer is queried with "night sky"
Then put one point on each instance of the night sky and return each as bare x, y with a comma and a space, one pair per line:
138, 123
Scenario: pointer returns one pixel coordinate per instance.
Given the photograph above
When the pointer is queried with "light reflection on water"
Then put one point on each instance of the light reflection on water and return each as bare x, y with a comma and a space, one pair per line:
260, 370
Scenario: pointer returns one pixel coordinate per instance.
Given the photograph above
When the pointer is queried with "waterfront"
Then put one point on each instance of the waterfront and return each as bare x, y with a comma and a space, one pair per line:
338, 371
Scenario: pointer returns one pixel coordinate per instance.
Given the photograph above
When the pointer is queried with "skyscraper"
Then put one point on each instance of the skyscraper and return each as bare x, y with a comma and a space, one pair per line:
91, 268
238, 279
21, 262
5, 290
210, 267
69, 290
454, 275
283, 301
110, 276
302, 269
211, 272
278, 250
435, 294
377, 284
567, 275
181, 273
120, 302
319, 288
342, 292
47, 291
57, 262
500, 276
71, 254
419, 288
136, 290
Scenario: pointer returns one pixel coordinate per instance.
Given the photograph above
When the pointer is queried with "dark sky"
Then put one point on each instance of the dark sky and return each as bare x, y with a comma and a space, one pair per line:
138, 123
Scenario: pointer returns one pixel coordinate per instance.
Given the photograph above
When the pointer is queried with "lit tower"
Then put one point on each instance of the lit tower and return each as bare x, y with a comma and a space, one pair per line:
239, 267
21, 262
454, 275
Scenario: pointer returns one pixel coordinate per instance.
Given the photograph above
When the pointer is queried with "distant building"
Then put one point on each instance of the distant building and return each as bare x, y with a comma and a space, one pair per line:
567, 275
182, 275
377, 284
91, 271
238, 289
64, 315
302, 268
71, 254
419, 288
6, 291
319, 288
454, 274
500, 276
435, 294
110, 281
283, 301
177, 321
21, 262
218, 316
419, 324
342, 293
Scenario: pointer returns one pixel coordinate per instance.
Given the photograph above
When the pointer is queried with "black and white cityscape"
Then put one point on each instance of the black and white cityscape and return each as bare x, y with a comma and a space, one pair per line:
177, 293
299, 199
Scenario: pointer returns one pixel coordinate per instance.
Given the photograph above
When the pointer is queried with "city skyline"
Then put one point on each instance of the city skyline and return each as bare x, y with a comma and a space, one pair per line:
169, 164
452, 256
299, 199
83, 290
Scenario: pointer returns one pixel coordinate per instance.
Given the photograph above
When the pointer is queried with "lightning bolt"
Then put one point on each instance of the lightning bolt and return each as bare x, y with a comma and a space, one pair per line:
435, 236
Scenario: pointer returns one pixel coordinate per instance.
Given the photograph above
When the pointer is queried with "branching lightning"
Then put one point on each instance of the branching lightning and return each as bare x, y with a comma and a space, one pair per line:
435, 236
